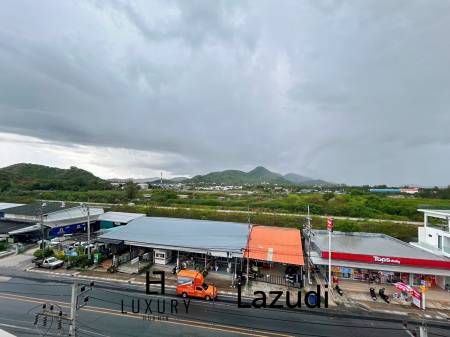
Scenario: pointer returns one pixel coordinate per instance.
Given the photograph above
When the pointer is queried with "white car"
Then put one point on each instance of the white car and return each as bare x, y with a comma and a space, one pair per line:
51, 263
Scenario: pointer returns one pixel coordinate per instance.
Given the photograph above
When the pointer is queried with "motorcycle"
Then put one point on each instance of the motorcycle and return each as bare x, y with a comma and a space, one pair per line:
373, 294
339, 290
383, 295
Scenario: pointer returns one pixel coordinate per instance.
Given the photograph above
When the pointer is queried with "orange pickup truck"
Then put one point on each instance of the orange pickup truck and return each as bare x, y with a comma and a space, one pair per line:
191, 283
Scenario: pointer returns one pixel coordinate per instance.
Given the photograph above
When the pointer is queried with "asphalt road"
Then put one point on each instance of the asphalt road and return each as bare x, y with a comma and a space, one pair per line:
22, 296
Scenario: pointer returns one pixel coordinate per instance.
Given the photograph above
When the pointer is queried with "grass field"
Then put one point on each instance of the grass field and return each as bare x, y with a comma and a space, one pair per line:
205, 205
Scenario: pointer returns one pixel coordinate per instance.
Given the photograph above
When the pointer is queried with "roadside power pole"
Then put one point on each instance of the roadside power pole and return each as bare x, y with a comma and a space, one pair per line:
73, 310
86, 208
54, 311
248, 246
42, 225
89, 231
309, 233
76, 304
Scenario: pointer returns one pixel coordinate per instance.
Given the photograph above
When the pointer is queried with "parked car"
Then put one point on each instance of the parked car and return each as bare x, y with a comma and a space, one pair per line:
49, 262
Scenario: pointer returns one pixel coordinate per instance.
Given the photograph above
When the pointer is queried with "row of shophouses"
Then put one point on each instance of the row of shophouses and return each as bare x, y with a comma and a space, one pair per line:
231, 248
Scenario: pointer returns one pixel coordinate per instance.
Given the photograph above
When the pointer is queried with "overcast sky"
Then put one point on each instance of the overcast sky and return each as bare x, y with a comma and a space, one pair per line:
348, 91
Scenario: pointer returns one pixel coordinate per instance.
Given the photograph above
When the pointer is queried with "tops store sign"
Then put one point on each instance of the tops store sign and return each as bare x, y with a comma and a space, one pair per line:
379, 259
383, 259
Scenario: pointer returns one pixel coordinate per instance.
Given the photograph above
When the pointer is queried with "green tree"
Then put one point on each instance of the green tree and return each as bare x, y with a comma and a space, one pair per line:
131, 190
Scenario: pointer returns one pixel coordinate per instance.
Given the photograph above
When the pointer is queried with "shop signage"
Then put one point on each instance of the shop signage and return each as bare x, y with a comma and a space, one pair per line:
383, 259
378, 259
417, 298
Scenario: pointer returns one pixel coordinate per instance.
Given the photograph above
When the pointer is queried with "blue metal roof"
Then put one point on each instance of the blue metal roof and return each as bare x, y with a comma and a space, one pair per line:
188, 233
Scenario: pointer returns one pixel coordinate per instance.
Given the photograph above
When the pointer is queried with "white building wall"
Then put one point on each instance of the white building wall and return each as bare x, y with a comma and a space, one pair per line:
441, 281
428, 238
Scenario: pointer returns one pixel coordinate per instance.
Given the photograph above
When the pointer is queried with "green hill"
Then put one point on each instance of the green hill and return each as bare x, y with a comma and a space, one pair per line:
38, 177
259, 175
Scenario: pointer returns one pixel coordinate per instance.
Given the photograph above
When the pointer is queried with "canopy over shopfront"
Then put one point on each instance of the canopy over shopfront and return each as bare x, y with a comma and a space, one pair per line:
362, 256
216, 238
376, 249
275, 244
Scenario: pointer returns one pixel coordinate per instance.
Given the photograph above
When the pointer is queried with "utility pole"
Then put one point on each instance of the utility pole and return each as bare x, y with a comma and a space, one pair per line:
309, 233
75, 304
73, 310
88, 211
43, 204
58, 315
89, 231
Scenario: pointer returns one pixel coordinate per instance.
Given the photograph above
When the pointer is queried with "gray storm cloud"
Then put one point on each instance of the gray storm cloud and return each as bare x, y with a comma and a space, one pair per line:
354, 92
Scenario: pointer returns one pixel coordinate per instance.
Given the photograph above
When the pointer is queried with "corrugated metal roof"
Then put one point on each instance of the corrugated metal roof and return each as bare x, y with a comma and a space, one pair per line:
121, 217
275, 244
6, 205
369, 244
34, 209
7, 226
188, 233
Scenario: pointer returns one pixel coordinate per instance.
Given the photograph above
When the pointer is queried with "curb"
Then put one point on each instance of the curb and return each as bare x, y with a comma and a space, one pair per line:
105, 279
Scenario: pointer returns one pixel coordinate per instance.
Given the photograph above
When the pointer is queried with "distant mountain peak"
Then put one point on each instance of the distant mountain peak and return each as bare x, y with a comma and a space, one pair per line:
260, 170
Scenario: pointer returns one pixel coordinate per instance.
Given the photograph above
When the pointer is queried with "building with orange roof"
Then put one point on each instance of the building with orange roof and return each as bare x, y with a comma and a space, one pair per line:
275, 244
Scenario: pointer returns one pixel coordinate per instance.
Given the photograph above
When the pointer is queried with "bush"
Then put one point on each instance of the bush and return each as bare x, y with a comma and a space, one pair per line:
38, 254
3, 246
43, 254
60, 255
80, 261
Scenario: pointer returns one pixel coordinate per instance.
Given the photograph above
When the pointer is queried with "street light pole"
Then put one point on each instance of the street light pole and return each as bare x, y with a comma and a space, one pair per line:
42, 225
309, 247
42, 230
329, 259
89, 232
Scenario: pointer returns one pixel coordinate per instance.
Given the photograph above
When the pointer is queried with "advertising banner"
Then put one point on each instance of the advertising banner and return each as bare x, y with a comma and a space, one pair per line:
417, 298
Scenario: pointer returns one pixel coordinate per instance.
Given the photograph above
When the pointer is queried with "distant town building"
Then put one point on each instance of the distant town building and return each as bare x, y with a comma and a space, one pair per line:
143, 186
408, 190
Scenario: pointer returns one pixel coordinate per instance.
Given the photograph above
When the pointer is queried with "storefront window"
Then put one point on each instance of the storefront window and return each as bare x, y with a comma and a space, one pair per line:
428, 280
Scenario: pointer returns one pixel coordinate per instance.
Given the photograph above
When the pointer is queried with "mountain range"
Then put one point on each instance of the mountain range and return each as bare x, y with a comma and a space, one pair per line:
259, 175
39, 177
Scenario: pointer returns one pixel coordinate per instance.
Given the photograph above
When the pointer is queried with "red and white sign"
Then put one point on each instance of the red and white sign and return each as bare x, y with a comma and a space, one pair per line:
330, 224
417, 298
385, 259
379, 259
403, 287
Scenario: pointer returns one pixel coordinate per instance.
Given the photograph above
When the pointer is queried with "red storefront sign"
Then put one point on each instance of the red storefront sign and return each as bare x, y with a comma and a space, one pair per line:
378, 259
417, 298
330, 224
